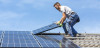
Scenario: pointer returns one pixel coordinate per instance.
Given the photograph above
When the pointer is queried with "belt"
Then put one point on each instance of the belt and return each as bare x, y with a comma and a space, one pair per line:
73, 13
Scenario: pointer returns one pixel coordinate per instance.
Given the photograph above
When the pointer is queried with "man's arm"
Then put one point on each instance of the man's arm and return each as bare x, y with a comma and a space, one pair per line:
62, 19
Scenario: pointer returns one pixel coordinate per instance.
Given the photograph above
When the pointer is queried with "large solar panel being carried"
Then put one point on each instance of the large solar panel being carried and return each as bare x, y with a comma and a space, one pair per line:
46, 28
27, 39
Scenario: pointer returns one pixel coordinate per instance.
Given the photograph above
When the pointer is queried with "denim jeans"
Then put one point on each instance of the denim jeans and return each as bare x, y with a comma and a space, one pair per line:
69, 23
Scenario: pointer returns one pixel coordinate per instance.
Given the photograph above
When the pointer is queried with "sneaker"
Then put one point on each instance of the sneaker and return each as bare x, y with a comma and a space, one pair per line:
68, 35
77, 35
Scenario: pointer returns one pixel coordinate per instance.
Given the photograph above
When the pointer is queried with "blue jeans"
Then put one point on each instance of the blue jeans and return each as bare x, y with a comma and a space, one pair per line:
69, 23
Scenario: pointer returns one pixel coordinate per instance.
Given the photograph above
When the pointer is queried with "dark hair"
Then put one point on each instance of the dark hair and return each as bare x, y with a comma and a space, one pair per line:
56, 3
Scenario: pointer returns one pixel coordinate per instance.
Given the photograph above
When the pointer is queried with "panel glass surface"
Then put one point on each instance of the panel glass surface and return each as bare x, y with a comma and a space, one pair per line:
18, 39
49, 40
26, 39
49, 27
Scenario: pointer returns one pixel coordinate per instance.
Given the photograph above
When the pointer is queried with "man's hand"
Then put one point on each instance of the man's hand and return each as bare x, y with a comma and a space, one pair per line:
58, 22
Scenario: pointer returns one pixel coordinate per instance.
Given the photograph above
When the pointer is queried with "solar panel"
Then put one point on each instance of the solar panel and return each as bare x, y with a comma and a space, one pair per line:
26, 39
55, 41
46, 28
18, 39
48, 40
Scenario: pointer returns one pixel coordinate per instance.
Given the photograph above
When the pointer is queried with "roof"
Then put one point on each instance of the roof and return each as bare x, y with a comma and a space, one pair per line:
27, 39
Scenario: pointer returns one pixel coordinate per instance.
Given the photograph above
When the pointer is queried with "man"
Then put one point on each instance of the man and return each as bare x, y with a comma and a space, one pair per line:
68, 20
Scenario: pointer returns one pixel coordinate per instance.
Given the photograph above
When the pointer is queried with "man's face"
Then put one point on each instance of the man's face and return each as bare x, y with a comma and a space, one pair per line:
57, 7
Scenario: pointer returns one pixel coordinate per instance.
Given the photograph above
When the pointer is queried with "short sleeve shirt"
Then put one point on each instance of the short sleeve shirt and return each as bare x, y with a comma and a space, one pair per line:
66, 9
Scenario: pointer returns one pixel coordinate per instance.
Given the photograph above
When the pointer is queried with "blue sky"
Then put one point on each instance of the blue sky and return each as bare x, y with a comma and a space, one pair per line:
28, 15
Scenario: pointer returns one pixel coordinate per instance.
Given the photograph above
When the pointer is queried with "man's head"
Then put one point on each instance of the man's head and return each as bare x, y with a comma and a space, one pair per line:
57, 5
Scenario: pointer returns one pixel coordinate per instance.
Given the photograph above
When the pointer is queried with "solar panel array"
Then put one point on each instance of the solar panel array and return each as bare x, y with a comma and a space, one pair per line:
48, 40
46, 28
26, 39
18, 39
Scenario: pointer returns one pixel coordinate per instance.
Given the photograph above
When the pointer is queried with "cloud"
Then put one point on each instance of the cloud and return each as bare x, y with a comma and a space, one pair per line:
94, 4
23, 3
9, 15
10, 20
5, 1
33, 3
90, 4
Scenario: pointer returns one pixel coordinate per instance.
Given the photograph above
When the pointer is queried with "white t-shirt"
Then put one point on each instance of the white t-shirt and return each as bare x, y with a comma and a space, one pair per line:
66, 9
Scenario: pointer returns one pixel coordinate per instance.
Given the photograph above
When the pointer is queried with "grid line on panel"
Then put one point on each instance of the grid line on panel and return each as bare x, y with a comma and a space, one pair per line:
58, 43
47, 42
37, 41
29, 39
39, 37
44, 42
24, 39
56, 37
19, 40
8, 39
13, 39
63, 39
51, 43
53, 39
1, 39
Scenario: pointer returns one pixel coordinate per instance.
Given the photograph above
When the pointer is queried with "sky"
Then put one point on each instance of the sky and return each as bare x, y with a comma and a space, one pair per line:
28, 15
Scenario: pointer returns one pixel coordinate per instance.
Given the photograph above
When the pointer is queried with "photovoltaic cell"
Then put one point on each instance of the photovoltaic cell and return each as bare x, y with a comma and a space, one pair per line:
46, 28
26, 39
58, 37
18, 39
49, 40
55, 41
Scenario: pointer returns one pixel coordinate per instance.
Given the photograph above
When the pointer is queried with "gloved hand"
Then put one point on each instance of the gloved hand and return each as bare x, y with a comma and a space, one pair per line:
58, 23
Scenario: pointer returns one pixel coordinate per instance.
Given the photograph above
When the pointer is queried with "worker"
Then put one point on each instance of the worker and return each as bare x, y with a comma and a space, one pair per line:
68, 20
